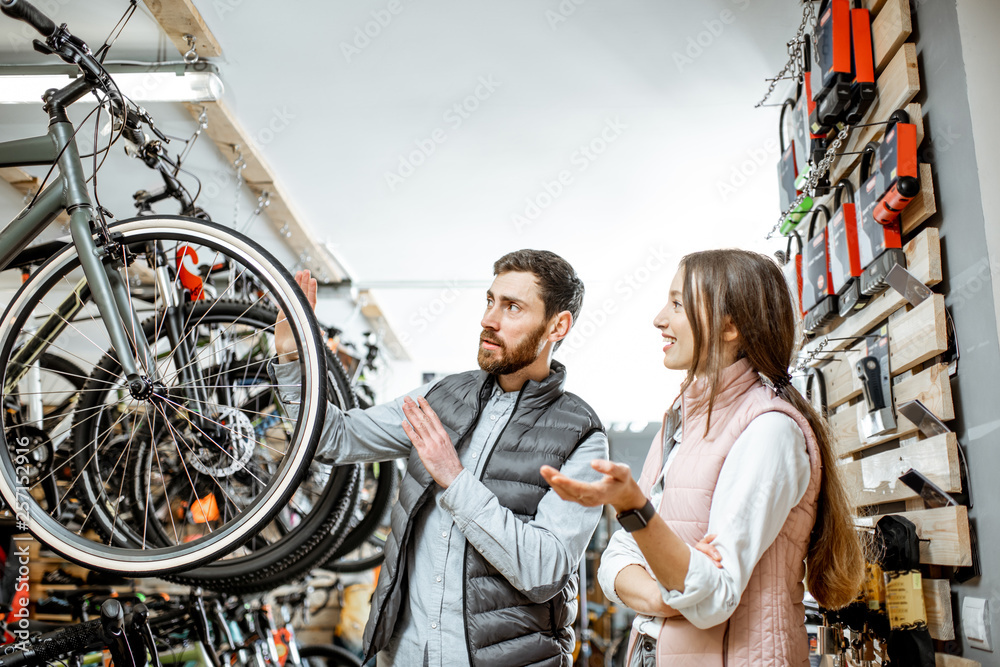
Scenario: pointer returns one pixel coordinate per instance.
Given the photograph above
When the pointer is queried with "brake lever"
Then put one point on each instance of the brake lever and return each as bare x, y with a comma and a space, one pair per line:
42, 47
148, 120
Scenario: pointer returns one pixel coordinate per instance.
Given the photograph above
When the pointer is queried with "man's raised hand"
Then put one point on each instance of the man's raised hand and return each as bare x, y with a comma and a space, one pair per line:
284, 341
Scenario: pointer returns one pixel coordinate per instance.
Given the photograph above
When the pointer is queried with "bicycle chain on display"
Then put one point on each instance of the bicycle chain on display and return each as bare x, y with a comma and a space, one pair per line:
818, 172
794, 52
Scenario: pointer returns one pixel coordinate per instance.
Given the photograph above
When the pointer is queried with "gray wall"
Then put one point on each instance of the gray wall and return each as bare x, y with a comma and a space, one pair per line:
950, 145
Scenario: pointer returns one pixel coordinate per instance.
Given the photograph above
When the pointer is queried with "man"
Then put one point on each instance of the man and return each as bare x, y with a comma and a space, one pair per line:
481, 564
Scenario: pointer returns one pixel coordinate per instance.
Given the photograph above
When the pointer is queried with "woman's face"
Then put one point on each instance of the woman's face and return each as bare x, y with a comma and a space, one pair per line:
672, 321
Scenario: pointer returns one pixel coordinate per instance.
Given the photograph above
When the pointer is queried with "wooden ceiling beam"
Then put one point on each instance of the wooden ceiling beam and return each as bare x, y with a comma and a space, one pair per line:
179, 18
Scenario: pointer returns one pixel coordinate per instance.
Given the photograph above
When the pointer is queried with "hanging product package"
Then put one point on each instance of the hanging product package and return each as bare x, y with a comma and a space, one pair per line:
791, 266
788, 170
818, 298
833, 86
845, 262
880, 246
809, 147
863, 88
900, 172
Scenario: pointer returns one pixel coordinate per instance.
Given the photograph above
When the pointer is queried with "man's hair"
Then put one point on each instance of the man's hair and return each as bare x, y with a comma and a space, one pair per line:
561, 289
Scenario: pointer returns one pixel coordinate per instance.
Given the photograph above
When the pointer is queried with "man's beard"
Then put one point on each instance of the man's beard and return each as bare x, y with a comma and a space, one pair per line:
504, 361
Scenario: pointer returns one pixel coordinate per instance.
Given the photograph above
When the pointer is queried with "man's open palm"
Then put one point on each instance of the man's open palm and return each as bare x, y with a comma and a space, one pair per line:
284, 341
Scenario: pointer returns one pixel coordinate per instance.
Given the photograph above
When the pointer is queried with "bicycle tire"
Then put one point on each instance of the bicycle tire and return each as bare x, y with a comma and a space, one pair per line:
330, 655
377, 512
309, 544
299, 545
249, 257
370, 551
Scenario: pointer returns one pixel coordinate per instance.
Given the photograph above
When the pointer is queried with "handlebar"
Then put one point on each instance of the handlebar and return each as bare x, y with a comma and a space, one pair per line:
27, 12
71, 49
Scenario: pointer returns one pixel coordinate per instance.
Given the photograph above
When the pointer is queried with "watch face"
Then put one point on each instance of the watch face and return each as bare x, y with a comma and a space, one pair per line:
633, 520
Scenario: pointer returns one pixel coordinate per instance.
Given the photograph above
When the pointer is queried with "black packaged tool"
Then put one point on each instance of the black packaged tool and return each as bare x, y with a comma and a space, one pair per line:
836, 76
818, 298
845, 263
880, 246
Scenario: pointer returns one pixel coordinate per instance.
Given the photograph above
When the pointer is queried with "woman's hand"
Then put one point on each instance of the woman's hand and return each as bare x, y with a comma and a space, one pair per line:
616, 488
705, 546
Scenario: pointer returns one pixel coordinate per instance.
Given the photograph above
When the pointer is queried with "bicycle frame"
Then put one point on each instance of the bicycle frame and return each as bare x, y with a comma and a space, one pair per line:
69, 192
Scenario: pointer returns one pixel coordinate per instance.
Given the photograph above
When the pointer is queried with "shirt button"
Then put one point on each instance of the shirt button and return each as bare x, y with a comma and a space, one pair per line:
438, 579
434, 626
475, 456
493, 417
444, 533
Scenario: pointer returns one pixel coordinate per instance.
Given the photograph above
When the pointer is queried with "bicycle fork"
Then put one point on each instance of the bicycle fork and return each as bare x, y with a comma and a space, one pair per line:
111, 296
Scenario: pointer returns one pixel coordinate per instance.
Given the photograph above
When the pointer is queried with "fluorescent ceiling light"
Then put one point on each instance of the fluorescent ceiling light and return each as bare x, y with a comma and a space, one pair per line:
139, 83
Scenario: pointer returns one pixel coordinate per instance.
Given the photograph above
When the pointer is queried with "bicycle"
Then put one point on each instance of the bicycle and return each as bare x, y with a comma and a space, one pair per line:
163, 392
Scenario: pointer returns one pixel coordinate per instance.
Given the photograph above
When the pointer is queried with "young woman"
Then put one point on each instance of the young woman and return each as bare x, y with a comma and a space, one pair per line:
742, 462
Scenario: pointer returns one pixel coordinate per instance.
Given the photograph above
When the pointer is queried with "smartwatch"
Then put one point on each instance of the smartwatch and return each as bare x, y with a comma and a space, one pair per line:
633, 520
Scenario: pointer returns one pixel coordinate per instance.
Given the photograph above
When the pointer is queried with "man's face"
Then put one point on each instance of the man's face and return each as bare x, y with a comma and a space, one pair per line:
514, 325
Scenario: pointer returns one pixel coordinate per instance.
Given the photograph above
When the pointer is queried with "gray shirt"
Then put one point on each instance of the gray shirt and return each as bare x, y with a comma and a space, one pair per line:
533, 556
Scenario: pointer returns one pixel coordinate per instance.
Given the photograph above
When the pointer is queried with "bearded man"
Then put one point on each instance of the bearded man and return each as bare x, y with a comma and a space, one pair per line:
481, 563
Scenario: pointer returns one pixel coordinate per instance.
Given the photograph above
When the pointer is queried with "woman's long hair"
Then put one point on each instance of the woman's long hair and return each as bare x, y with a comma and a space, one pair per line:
749, 290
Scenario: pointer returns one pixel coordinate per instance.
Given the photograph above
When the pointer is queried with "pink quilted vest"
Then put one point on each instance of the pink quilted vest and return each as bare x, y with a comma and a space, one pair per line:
767, 627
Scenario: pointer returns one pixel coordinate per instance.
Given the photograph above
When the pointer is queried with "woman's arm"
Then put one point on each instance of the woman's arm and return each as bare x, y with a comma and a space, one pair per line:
641, 593
763, 478
666, 553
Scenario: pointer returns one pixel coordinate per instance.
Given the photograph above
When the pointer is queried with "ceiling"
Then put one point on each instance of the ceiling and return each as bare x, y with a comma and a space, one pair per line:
620, 134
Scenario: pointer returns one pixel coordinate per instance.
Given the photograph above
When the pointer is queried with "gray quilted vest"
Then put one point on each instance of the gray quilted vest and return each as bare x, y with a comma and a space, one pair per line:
502, 626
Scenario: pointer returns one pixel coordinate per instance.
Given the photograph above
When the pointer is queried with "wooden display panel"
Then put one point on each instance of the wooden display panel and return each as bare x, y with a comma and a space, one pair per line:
875, 479
931, 387
944, 534
914, 337
890, 29
924, 205
874, 6
945, 660
842, 383
918, 335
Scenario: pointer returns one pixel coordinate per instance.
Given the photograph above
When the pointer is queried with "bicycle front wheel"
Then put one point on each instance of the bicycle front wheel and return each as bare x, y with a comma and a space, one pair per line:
210, 453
